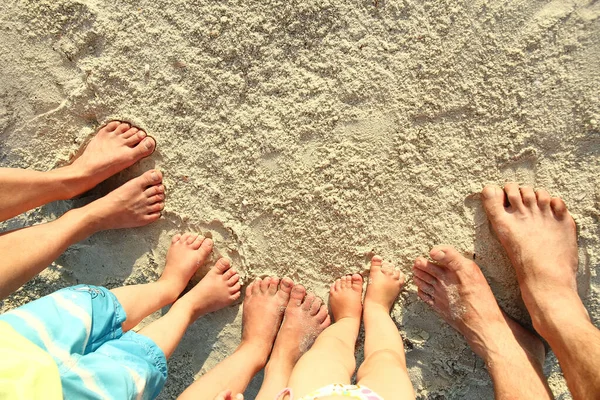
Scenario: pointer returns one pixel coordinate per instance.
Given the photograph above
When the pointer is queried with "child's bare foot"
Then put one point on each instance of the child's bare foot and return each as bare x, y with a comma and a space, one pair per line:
116, 146
219, 288
187, 253
135, 203
264, 306
384, 285
457, 290
539, 236
305, 318
345, 297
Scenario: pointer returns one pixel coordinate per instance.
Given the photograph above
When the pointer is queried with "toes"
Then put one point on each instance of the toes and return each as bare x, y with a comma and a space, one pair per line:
528, 196
514, 195
235, 296
122, 128
149, 218
424, 276
233, 280
150, 178
356, 282
425, 297
110, 127
135, 139
286, 285
264, 285
326, 323
447, 256
376, 263
338, 284
146, 146
543, 199
428, 267
157, 198
155, 208
197, 243
308, 300
297, 295
273, 284
316, 306
175, 239
424, 286
558, 207
387, 268
130, 132
322, 314
183, 239
205, 249
493, 200
223, 266
154, 190
235, 288
256, 286
190, 239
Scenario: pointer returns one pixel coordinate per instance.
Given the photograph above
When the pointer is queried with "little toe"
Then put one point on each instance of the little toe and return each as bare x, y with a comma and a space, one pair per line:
196, 244
543, 199
325, 323
273, 285
316, 306
249, 289
308, 300
448, 257
338, 284
223, 265
110, 127
559, 207
356, 282
493, 198
514, 196
297, 295
428, 299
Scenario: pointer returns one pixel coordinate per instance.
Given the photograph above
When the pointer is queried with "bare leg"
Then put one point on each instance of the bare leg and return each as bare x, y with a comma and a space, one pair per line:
264, 306
26, 252
384, 369
186, 254
331, 358
305, 319
539, 236
457, 290
115, 147
217, 290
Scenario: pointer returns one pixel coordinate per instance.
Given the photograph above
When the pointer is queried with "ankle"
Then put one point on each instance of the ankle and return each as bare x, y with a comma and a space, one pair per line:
71, 181
257, 352
560, 309
371, 306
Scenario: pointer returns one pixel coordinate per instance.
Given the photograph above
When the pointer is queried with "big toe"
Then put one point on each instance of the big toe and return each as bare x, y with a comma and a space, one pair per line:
376, 263
297, 295
222, 266
145, 147
448, 257
150, 178
559, 207
493, 200
285, 288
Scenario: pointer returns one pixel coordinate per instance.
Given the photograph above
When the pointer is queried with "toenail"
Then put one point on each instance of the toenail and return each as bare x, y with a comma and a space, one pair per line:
147, 144
141, 134
439, 255
154, 176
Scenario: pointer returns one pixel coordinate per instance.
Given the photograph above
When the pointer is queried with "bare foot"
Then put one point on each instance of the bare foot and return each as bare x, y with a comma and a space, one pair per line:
345, 297
135, 203
384, 285
228, 395
219, 288
457, 290
116, 146
264, 306
540, 238
187, 253
305, 318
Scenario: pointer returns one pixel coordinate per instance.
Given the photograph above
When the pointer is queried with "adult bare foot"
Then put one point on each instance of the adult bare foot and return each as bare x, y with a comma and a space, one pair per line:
384, 285
264, 306
539, 236
345, 297
305, 318
135, 203
187, 253
116, 146
456, 289
219, 288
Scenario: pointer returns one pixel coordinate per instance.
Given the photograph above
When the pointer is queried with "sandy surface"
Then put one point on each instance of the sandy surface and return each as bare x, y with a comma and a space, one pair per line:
304, 135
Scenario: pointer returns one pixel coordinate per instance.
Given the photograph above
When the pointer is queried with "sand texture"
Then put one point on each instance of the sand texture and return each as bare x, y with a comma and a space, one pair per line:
305, 135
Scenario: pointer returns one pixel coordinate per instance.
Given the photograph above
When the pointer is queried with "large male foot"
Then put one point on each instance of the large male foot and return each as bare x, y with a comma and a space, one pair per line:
116, 146
219, 288
305, 318
264, 307
136, 203
457, 290
187, 253
539, 236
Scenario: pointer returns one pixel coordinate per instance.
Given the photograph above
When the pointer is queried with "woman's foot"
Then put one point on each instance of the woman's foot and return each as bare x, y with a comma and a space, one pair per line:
187, 253
219, 288
456, 289
116, 146
384, 285
540, 238
135, 203
264, 307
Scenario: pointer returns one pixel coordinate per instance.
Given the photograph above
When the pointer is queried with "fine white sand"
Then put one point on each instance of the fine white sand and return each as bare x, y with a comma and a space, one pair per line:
305, 135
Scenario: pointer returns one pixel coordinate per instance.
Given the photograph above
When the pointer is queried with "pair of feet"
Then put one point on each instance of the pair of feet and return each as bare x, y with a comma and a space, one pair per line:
116, 146
539, 237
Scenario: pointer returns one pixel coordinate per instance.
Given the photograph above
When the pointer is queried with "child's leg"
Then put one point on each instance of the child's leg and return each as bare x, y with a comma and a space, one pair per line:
384, 369
186, 254
305, 318
115, 147
263, 311
26, 252
331, 358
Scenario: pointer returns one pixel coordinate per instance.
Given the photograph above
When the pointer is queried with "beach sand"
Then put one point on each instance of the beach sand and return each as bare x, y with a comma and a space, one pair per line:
305, 136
